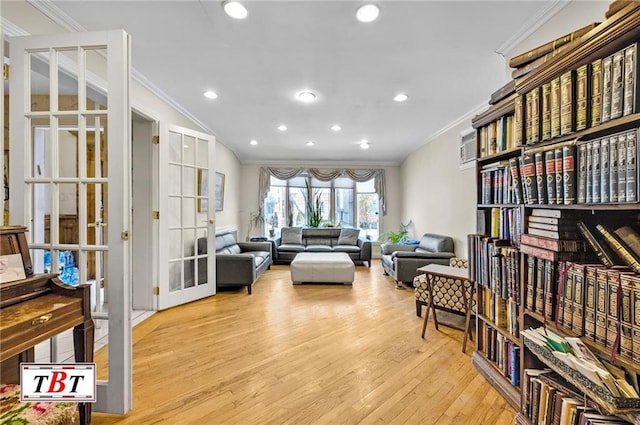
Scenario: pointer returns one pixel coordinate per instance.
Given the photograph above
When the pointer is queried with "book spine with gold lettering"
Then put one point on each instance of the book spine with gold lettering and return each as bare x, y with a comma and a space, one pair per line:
550, 171
606, 89
596, 92
546, 111
589, 173
555, 107
569, 174
541, 178
595, 145
578, 299
535, 115
632, 170
601, 307
582, 174
617, 80
622, 167
613, 168
604, 253
582, 98
518, 121
529, 178
604, 170
622, 249
630, 104
528, 117
567, 87
557, 154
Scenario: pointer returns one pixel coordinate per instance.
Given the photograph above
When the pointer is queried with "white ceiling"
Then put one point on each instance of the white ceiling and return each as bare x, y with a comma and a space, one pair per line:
441, 53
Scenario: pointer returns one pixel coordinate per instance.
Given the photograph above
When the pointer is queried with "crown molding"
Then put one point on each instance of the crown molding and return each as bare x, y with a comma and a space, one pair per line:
9, 29
58, 16
531, 25
321, 164
467, 116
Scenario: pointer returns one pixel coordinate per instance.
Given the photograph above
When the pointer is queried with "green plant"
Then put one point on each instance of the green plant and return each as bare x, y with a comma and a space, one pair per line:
257, 220
314, 206
399, 236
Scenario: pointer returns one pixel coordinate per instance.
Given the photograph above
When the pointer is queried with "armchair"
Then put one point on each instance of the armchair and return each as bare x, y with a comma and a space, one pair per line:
402, 261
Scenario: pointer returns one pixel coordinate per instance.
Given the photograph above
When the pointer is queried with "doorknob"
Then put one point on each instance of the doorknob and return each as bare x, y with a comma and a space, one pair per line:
211, 221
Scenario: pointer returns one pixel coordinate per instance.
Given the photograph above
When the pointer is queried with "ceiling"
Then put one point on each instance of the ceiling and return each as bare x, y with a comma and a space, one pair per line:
441, 53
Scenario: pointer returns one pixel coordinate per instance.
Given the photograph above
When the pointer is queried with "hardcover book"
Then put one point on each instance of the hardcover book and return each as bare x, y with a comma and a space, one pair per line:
589, 172
617, 81
622, 167
528, 117
596, 92
529, 176
630, 71
582, 98
518, 121
555, 107
550, 175
546, 111
557, 245
535, 115
604, 170
504, 91
606, 89
632, 171
557, 153
541, 178
582, 174
515, 180
613, 168
596, 172
567, 95
569, 174
627, 255
604, 253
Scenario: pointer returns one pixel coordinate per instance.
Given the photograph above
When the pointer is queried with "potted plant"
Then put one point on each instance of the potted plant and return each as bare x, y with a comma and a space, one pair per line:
256, 220
314, 206
399, 236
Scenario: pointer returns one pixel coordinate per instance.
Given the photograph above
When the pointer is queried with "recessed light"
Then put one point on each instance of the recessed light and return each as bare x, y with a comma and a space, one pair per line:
210, 94
336, 127
235, 9
367, 12
306, 96
310, 143
400, 97
364, 145
282, 127
253, 142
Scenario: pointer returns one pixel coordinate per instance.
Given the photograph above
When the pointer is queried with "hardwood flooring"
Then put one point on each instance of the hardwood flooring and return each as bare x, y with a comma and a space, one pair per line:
304, 354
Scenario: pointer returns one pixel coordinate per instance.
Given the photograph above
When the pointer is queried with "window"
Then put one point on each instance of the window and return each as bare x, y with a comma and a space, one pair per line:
346, 203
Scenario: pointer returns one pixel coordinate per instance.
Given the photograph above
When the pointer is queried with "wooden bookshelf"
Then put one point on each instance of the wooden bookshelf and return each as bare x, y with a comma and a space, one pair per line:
612, 36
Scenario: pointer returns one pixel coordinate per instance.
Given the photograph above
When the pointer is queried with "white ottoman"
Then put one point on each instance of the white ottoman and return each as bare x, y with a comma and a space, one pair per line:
334, 267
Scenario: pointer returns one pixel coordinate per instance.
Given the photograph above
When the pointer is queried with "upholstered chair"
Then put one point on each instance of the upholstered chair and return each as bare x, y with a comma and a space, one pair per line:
447, 293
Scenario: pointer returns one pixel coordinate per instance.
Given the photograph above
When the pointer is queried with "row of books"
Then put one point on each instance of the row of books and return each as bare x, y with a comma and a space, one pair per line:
603, 305
497, 136
496, 184
494, 264
502, 312
607, 169
501, 222
549, 400
501, 351
578, 99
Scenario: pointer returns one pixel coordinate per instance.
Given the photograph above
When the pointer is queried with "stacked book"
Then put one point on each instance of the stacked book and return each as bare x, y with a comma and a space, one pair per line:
526, 62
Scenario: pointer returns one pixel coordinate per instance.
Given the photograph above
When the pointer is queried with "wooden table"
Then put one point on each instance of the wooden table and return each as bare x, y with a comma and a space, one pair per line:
460, 275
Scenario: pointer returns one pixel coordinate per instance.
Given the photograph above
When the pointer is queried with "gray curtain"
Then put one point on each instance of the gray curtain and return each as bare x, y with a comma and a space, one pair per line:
325, 175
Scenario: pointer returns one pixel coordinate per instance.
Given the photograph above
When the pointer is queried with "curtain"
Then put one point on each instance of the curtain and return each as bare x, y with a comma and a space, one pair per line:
325, 175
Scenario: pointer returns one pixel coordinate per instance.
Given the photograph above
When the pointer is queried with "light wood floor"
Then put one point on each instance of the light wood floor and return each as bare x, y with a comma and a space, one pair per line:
304, 354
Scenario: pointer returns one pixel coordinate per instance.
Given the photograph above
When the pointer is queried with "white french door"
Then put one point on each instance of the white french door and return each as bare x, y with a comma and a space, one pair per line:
70, 147
187, 216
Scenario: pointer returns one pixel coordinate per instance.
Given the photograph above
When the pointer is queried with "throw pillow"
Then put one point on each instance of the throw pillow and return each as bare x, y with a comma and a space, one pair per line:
292, 235
348, 237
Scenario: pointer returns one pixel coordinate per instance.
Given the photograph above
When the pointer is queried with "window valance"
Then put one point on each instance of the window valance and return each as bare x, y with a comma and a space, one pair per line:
325, 175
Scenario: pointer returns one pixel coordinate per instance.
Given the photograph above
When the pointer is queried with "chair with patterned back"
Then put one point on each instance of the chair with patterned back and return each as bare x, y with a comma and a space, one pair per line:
447, 292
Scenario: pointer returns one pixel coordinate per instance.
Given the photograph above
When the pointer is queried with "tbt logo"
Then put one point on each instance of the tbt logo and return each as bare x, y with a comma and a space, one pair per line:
58, 382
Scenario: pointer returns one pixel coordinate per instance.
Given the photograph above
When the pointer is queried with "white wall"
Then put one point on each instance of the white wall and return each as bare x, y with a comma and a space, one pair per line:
249, 192
227, 163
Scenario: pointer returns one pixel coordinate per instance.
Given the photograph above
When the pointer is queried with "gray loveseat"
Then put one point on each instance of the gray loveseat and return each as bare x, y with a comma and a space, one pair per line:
401, 261
237, 263
293, 240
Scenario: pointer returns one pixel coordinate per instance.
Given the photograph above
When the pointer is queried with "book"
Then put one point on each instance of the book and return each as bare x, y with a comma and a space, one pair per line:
617, 80
604, 170
567, 97
569, 174
555, 107
528, 117
632, 151
504, 91
630, 237
606, 89
546, 111
582, 174
562, 234
553, 213
589, 173
568, 245
528, 56
557, 153
549, 255
550, 174
595, 167
596, 92
562, 227
541, 178
622, 167
604, 253
627, 255
535, 115
526, 195
613, 168
515, 180
630, 71
518, 121
583, 98
529, 178
549, 220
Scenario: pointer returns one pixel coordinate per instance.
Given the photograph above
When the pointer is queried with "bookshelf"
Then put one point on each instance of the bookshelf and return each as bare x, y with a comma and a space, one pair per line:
532, 265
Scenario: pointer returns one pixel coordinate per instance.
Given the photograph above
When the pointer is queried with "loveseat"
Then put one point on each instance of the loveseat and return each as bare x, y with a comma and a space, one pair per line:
294, 240
402, 261
237, 263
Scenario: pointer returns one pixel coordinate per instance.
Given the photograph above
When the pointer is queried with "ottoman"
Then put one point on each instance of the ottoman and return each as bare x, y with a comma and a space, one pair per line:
328, 267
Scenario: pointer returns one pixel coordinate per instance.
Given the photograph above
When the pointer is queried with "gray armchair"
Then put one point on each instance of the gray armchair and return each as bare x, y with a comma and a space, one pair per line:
401, 261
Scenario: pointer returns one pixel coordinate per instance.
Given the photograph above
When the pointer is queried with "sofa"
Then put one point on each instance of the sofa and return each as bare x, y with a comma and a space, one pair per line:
402, 261
237, 263
293, 240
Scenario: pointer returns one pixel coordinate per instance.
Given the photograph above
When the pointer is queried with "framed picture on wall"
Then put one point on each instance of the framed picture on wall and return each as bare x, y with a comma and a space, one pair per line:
203, 191
219, 191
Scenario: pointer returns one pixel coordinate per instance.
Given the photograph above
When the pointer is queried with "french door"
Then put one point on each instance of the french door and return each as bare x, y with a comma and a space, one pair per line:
70, 146
187, 216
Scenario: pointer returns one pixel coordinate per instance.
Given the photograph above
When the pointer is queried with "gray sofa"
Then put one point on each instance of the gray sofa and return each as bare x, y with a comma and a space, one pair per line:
293, 240
401, 261
237, 263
